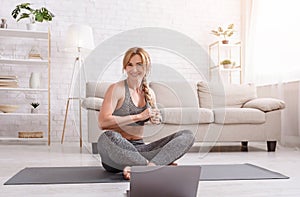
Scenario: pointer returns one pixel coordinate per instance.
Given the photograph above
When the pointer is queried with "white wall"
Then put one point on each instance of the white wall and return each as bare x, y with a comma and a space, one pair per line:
290, 93
194, 18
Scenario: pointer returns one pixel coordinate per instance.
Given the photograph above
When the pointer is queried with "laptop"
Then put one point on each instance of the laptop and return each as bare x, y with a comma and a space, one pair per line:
169, 181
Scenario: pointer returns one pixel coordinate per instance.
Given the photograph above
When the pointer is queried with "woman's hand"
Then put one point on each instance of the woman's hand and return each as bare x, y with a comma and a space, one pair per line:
145, 114
155, 116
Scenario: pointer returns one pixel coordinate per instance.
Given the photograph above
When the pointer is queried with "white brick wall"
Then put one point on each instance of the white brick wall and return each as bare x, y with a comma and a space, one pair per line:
194, 18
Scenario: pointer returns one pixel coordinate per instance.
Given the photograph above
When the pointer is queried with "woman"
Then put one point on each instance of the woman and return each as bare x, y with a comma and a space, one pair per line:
127, 105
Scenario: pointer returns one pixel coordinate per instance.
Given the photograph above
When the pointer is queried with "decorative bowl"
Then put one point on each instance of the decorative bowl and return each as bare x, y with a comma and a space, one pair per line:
8, 108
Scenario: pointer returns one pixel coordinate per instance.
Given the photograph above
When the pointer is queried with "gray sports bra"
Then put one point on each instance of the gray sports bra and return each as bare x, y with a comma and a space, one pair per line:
129, 108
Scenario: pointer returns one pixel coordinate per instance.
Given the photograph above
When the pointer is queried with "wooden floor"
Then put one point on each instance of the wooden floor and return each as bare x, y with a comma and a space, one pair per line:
285, 160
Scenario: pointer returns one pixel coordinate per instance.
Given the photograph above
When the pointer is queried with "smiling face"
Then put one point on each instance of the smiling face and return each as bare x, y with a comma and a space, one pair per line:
136, 63
135, 68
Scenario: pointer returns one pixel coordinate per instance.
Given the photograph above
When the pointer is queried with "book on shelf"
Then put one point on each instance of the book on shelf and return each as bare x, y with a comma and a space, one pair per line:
9, 86
8, 81
8, 77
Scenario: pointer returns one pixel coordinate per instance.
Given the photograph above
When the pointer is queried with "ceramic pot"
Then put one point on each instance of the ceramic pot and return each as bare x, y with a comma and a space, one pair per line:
31, 26
35, 80
225, 41
34, 110
3, 23
227, 66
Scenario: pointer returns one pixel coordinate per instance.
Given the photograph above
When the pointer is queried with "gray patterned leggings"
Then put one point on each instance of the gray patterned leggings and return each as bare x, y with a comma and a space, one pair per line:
117, 152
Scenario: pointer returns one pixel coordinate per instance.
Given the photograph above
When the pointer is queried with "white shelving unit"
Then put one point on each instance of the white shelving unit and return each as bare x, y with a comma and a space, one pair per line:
23, 61
23, 114
32, 35
219, 52
25, 89
24, 140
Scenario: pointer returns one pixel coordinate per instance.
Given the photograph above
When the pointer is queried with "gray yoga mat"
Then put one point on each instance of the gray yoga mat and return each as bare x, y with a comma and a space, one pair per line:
96, 174
237, 172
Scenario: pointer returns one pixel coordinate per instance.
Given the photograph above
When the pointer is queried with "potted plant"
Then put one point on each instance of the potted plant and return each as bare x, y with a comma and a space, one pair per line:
34, 110
227, 63
24, 10
225, 33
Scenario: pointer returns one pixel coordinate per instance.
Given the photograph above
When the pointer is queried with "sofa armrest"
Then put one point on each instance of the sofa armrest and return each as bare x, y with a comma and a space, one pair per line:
265, 104
92, 103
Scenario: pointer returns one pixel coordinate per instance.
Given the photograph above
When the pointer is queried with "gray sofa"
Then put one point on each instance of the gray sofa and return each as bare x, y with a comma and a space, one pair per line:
214, 112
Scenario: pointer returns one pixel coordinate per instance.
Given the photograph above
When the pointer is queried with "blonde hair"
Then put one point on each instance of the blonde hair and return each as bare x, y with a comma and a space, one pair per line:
147, 63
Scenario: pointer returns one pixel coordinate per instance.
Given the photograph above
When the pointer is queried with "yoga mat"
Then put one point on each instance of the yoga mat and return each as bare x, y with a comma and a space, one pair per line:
96, 174
237, 172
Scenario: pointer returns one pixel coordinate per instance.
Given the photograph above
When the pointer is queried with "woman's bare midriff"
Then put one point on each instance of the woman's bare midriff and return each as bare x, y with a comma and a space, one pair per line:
131, 132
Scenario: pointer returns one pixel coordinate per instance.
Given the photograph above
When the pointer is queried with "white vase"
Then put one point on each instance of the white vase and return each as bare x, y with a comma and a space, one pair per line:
31, 26
35, 80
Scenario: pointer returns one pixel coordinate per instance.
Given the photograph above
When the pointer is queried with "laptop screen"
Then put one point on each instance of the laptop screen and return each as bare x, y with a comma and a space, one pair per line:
164, 181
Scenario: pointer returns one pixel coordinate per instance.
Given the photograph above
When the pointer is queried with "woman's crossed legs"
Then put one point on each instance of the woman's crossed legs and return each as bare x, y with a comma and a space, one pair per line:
118, 153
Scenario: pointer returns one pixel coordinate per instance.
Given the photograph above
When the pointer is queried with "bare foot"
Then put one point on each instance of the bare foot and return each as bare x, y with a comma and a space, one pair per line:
151, 164
127, 170
126, 173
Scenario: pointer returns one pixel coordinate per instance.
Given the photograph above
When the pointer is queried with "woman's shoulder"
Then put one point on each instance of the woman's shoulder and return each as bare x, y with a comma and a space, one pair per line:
117, 87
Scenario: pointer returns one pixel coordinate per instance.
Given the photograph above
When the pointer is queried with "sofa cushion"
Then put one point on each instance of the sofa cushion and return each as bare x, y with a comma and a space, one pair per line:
187, 116
204, 95
238, 94
214, 95
239, 116
175, 94
97, 89
265, 104
92, 103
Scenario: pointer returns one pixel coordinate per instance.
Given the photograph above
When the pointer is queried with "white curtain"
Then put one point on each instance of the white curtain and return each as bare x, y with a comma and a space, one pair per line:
274, 41
272, 52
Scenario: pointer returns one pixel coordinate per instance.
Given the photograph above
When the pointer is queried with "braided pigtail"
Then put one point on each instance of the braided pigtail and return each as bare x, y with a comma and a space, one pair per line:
148, 97
156, 119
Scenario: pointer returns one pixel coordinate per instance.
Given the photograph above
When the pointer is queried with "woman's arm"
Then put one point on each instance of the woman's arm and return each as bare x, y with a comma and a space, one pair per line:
107, 120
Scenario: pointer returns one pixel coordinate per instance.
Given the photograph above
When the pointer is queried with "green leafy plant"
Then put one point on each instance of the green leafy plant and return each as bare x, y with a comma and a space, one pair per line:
225, 62
24, 10
228, 63
35, 105
224, 32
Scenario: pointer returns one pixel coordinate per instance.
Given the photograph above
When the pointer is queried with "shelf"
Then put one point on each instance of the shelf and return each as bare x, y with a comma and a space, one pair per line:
218, 52
225, 69
18, 140
23, 114
221, 67
23, 33
24, 89
23, 61
13, 64
237, 44
230, 69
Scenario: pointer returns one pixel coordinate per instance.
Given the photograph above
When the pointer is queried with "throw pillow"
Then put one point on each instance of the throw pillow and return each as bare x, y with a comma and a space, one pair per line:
265, 104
